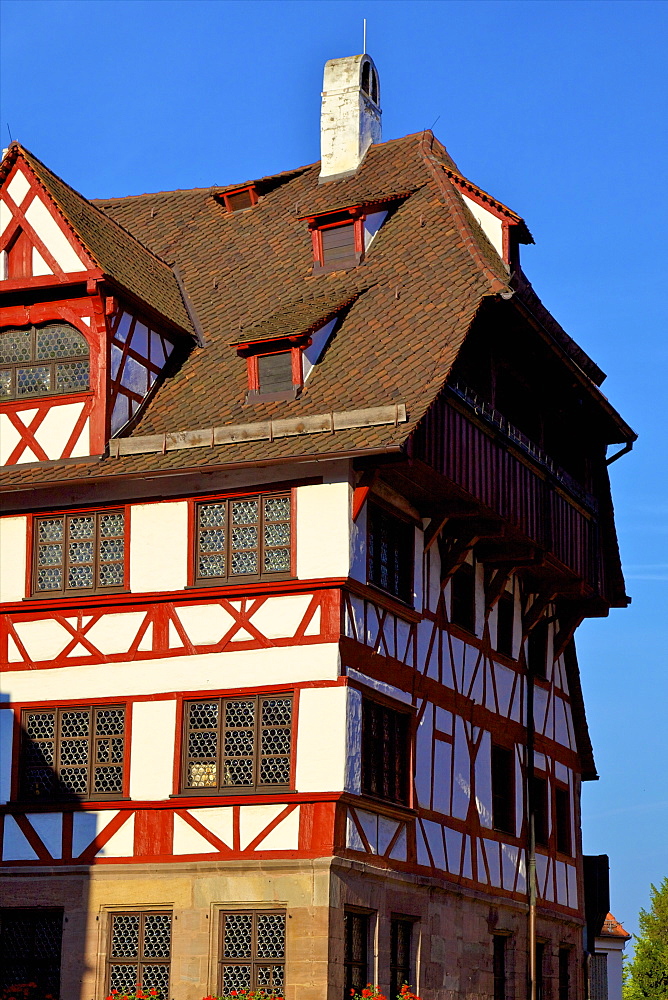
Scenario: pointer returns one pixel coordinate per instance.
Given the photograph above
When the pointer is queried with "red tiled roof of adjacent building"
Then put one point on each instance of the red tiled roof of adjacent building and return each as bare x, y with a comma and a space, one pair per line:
613, 928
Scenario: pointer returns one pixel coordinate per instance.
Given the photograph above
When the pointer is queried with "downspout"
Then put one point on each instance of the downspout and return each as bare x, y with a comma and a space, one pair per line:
531, 833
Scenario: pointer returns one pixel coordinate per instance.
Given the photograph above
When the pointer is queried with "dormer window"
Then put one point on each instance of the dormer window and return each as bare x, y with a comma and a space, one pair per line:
274, 374
338, 240
243, 198
43, 361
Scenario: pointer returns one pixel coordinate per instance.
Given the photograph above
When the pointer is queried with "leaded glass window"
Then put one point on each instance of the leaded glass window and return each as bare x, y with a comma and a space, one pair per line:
72, 753
43, 361
244, 538
30, 947
355, 952
237, 744
385, 752
79, 552
140, 950
401, 932
390, 553
252, 953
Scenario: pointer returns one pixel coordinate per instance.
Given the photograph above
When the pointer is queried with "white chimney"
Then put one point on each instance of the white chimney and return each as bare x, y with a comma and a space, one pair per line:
350, 115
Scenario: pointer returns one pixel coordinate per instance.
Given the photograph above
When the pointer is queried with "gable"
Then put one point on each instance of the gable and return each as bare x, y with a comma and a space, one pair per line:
35, 240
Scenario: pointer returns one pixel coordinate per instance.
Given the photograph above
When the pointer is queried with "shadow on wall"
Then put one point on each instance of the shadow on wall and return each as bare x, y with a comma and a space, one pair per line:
43, 919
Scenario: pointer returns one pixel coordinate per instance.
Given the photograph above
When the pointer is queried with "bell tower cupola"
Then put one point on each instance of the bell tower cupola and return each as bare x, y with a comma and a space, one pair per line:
350, 115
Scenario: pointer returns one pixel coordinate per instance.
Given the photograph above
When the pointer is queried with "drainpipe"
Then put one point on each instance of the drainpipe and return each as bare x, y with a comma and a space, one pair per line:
531, 835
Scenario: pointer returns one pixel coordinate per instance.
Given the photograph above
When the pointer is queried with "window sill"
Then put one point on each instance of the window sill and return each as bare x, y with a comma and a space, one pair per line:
74, 595
233, 793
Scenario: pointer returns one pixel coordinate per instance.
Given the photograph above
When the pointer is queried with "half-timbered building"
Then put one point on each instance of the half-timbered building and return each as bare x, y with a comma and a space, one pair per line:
304, 496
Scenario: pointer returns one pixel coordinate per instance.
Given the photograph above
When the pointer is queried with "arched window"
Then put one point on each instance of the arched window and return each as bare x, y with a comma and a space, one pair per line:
375, 97
42, 361
366, 71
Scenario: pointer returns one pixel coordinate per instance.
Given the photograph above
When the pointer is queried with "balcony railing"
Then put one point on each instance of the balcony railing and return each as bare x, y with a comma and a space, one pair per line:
513, 434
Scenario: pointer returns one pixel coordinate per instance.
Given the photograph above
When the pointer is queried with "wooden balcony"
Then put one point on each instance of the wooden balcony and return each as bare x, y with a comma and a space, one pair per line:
478, 450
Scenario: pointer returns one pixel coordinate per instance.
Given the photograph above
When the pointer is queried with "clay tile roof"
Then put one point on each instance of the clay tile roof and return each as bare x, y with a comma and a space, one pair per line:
405, 310
296, 318
613, 928
117, 252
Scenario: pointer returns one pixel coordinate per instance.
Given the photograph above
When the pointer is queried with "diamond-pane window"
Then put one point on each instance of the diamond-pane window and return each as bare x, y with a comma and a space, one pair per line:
79, 552
390, 553
252, 953
30, 946
355, 952
385, 752
43, 361
244, 539
234, 744
71, 753
140, 949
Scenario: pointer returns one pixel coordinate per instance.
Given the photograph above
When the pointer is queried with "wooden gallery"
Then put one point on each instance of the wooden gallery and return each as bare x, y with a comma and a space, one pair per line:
304, 496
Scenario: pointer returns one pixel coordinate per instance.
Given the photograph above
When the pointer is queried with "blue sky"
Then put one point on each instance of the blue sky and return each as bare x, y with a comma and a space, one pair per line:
557, 108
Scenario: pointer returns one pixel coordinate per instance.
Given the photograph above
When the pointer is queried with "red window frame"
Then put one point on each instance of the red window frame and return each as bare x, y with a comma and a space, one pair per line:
254, 372
195, 581
32, 593
318, 225
227, 195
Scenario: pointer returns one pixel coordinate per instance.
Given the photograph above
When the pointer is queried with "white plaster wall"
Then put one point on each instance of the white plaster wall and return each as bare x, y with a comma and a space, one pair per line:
55, 430
358, 568
203, 672
39, 265
491, 226
372, 224
353, 779
53, 237
389, 690
614, 950
323, 530
13, 555
6, 216
321, 740
9, 438
311, 354
152, 749
6, 740
159, 546
18, 187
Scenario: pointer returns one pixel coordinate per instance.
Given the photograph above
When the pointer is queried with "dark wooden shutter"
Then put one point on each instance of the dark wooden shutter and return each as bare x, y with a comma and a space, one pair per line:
505, 618
237, 202
338, 246
385, 752
275, 372
462, 592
